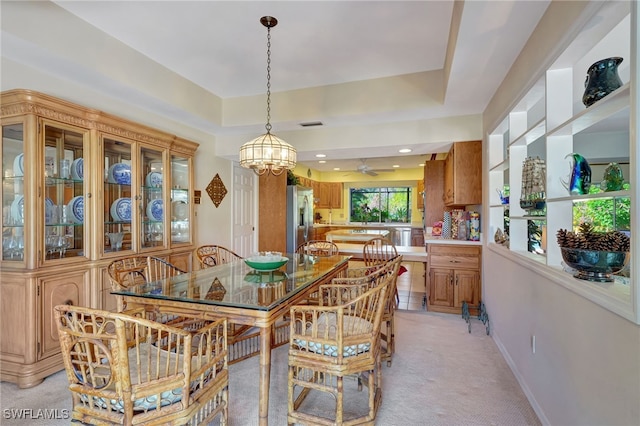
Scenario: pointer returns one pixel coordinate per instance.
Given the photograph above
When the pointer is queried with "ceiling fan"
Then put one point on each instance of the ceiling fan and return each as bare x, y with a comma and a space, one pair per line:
368, 170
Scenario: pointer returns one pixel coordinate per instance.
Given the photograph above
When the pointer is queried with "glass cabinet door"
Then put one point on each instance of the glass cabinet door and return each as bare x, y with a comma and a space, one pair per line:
64, 204
117, 206
13, 166
151, 206
180, 201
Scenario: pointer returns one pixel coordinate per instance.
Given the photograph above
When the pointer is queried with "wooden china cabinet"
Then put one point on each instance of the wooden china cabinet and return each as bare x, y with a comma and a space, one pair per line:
80, 188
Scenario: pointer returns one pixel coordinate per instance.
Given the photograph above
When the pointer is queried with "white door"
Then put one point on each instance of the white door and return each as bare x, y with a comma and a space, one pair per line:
244, 214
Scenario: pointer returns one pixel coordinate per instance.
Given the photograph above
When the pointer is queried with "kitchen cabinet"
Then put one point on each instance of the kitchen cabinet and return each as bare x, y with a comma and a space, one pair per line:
80, 188
549, 123
417, 237
420, 195
453, 277
434, 188
327, 195
463, 174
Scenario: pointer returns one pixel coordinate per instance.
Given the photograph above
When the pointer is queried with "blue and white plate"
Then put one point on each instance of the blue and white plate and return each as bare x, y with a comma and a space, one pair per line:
75, 209
77, 169
119, 173
154, 179
154, 210
17, 209
48, 211
121, 210
18, 165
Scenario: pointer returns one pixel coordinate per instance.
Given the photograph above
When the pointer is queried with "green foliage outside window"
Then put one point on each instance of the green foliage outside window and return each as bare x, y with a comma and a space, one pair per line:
378, 205
611, 214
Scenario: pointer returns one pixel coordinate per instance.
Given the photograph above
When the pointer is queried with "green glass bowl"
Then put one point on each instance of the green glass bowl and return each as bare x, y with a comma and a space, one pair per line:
266, 266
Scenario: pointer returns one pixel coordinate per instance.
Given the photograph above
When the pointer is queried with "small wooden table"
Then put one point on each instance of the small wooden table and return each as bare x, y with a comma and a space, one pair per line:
244, 296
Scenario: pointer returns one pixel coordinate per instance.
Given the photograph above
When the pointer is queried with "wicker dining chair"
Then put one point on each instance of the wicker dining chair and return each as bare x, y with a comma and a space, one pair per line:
132, 270
212, 255
318, 248
379, 250
124, 368
330, 342
372, 275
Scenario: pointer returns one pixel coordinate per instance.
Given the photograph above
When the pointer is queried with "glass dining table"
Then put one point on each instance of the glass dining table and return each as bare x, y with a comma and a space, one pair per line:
244, 296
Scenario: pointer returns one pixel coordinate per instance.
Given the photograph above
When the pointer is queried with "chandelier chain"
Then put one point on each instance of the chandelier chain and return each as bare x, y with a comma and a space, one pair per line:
268, 125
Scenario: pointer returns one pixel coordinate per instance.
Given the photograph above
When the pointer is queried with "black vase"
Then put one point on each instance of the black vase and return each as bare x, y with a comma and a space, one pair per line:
602, 79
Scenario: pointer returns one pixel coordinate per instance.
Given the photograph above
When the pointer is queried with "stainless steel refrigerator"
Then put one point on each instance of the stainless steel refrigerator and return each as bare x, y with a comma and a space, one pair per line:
299, 216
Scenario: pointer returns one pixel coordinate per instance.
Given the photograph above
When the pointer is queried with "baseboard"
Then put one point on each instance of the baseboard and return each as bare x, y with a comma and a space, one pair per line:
523, 385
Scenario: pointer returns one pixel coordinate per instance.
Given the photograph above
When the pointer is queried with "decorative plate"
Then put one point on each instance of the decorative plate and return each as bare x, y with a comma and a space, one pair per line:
262, 265
119, 173
179, 210
77, 169
154, 179
17, 209
18, 165
154, 210
121, 210
48, 210
75, 209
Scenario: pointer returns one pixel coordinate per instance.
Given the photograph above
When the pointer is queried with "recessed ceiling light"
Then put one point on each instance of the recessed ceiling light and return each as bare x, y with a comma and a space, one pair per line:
396, 165
421, 165
404, 150
336, 168
322, 161
320, 155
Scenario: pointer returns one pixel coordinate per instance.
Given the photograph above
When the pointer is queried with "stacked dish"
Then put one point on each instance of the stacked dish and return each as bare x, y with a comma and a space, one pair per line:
154, 179
119, 173
75, 209
18, 165
154, 210
121, 210
77, 169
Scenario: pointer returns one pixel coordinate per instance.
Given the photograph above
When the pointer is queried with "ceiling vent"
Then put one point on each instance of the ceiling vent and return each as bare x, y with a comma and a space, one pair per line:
311, 124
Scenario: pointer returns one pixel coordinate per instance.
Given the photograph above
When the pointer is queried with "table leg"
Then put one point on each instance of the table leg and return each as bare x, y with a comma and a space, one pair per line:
265, 375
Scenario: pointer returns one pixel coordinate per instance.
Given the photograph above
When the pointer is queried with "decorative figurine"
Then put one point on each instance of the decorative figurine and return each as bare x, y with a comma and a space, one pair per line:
580, 175
613, 178
602, 79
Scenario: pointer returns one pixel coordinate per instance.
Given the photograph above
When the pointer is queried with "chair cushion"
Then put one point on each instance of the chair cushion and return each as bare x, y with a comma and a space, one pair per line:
167, 397
351, 326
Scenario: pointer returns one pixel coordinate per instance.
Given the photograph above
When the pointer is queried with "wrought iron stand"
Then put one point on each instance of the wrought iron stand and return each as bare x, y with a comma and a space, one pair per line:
482, 316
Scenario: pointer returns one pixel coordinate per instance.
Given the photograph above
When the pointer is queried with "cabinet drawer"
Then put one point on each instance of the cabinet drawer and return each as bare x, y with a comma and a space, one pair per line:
454, 262
453, 250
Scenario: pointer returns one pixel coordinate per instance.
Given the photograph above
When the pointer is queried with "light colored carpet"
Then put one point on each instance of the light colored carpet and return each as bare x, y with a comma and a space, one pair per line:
441, 375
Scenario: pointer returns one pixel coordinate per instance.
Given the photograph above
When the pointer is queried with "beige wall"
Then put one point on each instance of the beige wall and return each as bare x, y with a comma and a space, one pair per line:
586, 368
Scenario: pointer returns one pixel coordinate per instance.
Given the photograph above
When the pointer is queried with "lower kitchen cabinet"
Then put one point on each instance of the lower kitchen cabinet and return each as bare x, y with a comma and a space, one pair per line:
454, 277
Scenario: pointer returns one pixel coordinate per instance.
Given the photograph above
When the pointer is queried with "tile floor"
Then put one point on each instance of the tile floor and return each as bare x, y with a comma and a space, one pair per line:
411, 286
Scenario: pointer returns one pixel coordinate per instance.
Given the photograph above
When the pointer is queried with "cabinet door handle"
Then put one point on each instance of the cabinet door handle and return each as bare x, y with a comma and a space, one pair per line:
456, 280
454, 261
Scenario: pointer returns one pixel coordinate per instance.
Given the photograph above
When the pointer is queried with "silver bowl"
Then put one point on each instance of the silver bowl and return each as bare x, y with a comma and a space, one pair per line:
593, 265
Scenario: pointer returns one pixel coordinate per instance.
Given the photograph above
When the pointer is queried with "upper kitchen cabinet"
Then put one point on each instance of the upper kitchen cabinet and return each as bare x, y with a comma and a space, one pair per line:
532, 151
329, 195
79, 189
463, 174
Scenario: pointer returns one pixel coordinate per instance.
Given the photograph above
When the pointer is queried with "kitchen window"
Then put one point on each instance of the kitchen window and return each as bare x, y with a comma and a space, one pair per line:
378, 205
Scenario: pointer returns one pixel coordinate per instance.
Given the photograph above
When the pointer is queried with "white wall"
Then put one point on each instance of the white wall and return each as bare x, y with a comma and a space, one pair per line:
586, 367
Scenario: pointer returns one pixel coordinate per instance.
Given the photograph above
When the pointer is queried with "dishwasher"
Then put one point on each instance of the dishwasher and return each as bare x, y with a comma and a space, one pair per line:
402, 237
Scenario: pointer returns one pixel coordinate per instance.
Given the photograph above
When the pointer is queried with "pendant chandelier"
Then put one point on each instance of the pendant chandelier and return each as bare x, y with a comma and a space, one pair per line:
268, 153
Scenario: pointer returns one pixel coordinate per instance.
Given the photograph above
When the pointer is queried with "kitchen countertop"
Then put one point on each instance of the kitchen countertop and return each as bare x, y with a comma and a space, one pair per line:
429, 239
355, 235
409, 253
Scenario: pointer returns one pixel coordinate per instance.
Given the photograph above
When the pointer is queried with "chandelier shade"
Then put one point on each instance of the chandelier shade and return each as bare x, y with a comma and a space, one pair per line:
268, 153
